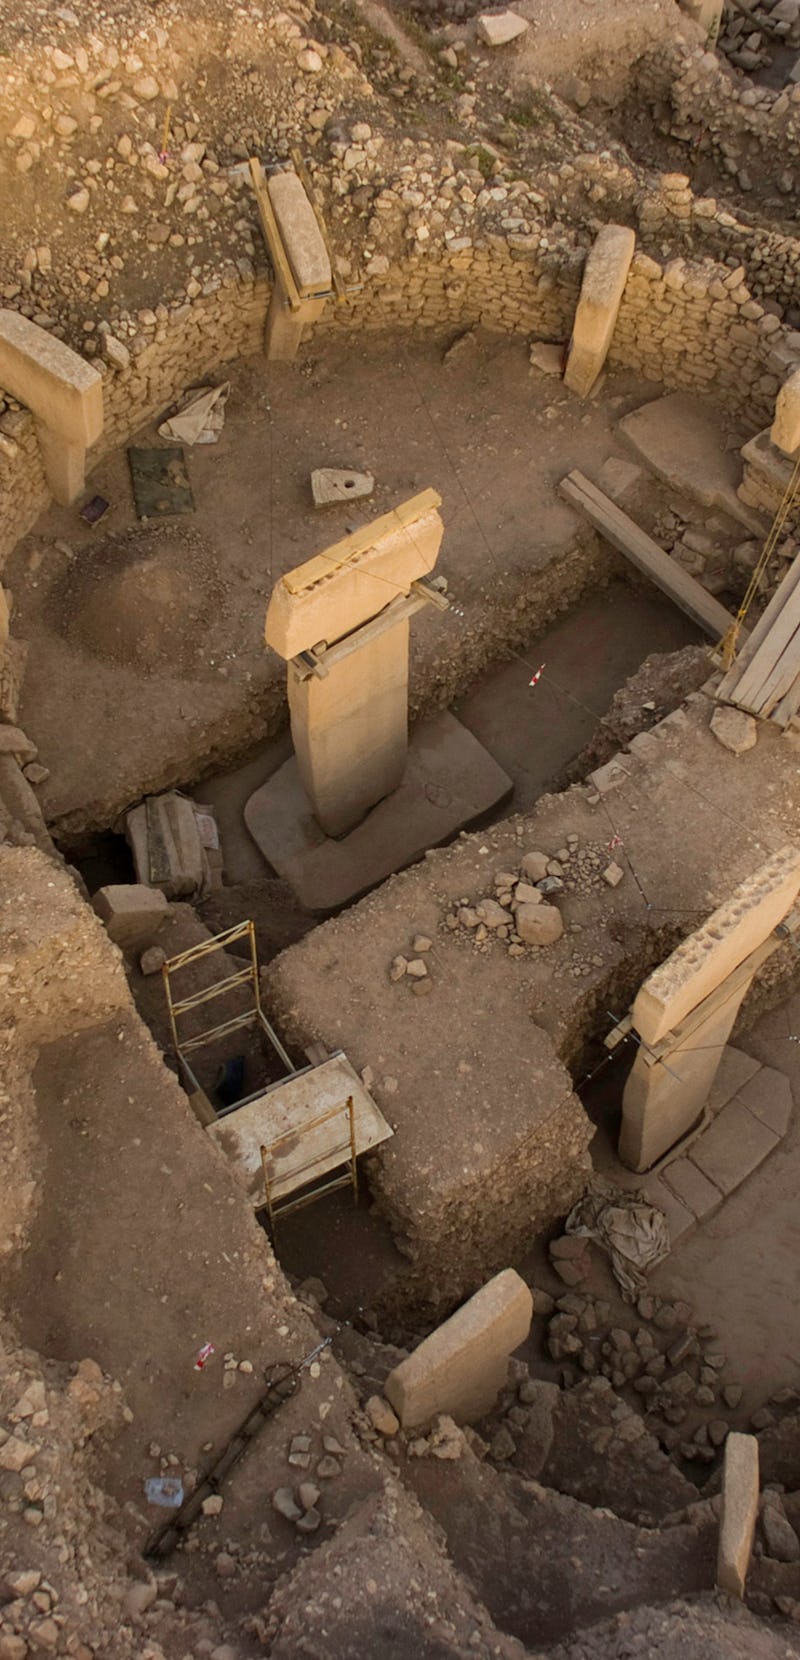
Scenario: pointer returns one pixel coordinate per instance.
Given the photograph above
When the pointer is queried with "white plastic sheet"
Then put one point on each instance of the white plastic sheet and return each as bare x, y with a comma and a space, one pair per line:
200, 418
633, 1232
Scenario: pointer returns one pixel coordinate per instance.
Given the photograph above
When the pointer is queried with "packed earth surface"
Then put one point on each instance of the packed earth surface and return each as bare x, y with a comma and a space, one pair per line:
435, 1413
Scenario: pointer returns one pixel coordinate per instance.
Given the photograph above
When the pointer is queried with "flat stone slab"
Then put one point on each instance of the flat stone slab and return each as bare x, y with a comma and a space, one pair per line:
692, 1188
735, 1069
332, 485
733, 1146
679, 1218
498, 28
682, 442
450, 780
768, 1094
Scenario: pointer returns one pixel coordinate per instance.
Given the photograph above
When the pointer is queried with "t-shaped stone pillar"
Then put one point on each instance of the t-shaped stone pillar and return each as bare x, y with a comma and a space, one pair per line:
341, 622
64, 394
685, 1011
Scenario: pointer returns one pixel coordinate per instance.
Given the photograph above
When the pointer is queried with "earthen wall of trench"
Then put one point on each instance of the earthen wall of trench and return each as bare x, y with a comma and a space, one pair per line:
673, 328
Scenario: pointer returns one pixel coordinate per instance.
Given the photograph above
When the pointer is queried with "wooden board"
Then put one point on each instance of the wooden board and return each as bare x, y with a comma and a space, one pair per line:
646, 555
767, 665
788, 706
286, 1107
759, 634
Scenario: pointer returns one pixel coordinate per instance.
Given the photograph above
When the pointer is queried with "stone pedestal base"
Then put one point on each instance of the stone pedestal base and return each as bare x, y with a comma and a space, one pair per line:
450, 781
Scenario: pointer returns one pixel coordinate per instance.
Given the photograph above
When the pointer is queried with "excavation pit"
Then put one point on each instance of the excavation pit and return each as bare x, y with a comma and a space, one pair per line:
181, 687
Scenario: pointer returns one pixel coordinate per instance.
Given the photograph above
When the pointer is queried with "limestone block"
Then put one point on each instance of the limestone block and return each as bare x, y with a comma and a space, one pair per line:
63, 392
739, 1512
498, 28
350, 730
338, 590
180, 852
735, 729
663, 1099
334, 485
14, 742
461, 1368
603, 285
706, 958
300, 234
785, 431
132, 914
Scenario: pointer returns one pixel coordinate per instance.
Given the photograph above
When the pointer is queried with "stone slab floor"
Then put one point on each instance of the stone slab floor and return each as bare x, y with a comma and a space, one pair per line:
739, 1269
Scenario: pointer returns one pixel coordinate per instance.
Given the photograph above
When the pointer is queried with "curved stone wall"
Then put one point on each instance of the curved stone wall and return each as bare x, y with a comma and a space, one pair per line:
681, 324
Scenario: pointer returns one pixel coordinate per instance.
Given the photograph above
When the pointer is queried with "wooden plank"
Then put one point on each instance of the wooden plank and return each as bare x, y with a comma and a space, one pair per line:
285, 1107
646, 555
272, 235
761, 668
781, 679
758, 635
788, 706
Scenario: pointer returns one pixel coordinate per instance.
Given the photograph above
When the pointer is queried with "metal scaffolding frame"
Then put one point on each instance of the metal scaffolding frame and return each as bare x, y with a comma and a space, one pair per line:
253, 1017
345, 1174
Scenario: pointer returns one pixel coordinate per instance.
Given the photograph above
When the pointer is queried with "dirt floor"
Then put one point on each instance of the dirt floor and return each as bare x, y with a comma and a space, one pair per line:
170, 704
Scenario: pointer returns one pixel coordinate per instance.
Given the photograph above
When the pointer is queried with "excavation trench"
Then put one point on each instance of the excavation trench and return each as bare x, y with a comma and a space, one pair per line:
537, 733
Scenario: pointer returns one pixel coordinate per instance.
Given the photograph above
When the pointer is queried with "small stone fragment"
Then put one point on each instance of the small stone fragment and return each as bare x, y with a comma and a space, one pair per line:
498, 28
534, 866
492, 914
381, 1416
283, 1501
734, 728
539, 924
782, 1541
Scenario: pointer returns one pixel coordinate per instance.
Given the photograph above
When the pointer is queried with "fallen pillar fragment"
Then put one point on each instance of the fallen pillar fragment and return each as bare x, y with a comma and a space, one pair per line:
462, 1367
604, 278
739, 1512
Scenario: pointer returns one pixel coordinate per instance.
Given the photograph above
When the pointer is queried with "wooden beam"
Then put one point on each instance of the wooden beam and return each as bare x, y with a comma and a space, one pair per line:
769, 663
646, 555
759, 634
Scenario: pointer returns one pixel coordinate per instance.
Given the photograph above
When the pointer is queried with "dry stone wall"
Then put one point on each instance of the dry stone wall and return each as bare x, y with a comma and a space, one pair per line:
685, 324
753, 132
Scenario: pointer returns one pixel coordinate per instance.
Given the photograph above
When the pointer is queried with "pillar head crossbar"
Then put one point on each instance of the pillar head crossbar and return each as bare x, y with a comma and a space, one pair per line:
319, 660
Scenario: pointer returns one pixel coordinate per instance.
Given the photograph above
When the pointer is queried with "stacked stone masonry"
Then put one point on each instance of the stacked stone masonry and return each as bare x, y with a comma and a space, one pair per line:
681, 325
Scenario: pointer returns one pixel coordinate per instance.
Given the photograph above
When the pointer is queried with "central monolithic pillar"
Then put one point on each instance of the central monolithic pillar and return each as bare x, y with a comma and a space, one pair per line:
350, 730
